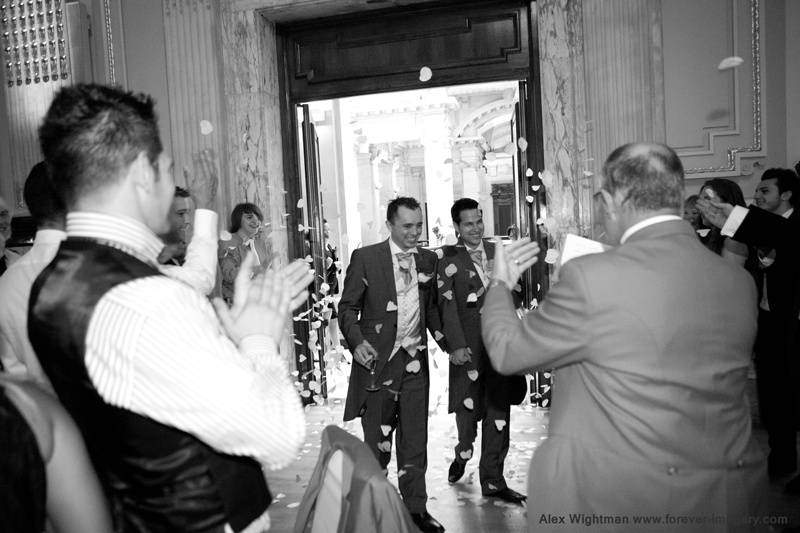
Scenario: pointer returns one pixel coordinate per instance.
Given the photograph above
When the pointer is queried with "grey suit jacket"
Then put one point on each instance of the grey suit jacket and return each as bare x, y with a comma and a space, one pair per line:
651, 344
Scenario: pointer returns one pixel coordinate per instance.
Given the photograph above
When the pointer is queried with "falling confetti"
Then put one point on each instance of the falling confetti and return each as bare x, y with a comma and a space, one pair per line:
425, 74
472, 375
206, 127
730, 62
536, 187
468, 403
385, 446
451, 269
423, 277
366, 283
448, 295
588, 173
529, 173
413, 367
438, 335
387, 382
391, 306
472, 297
293, 505
439, 283
439, 253
378, 328
301, 203
551, 257
466, 455
385, 429
522, 143
529, 199
500, 424
305, 393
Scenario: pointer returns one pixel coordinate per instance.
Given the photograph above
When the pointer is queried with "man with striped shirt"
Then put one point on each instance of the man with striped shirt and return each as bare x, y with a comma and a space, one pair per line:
180, 408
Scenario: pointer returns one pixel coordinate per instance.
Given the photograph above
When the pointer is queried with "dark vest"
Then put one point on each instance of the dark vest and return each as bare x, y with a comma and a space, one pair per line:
157, 477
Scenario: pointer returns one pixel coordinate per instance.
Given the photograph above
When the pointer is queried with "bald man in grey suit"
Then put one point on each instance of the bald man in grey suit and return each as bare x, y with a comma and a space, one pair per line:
651, 344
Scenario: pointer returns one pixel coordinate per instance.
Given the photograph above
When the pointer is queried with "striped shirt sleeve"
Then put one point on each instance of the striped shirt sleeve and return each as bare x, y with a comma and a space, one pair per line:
156, 347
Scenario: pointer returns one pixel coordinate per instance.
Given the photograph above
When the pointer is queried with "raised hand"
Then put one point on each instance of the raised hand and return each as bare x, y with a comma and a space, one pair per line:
512, 260
203, 181
714, 212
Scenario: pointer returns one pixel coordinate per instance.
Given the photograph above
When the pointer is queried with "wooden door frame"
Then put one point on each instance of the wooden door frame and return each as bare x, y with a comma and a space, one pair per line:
532, 103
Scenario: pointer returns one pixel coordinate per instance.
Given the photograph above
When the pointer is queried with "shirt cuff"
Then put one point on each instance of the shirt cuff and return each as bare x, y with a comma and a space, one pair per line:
735, 220
255, 346
205, 223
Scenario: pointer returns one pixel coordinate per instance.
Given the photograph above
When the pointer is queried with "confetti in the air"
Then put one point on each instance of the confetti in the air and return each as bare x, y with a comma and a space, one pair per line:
468, 403
448, 295
391, 306
472, 375
529, 173
301, 203
385, 429
423, 277
206, 127
529, 199
730, 62
500, 424
451, 269
413, 367
551, 257
425, 74
522, 143
472, 297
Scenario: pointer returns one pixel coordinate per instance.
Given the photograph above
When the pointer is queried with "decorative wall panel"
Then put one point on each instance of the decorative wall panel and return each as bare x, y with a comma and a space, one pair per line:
713, 117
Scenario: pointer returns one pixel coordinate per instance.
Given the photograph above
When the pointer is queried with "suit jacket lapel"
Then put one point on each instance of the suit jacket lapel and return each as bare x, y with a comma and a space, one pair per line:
387, 269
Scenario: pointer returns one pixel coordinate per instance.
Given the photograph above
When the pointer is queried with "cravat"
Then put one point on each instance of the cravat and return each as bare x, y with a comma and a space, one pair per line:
404, 264
252, 245
477, 257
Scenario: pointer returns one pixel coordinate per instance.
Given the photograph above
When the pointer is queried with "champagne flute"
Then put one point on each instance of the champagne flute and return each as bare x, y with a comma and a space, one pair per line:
373, 386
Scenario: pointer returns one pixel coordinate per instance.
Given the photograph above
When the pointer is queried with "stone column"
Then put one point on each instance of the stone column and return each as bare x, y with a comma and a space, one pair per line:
561, 63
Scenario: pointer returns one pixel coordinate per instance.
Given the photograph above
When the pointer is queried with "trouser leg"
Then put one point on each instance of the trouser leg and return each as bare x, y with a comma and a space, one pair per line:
412, 441
466, 425
494, 447
378, 422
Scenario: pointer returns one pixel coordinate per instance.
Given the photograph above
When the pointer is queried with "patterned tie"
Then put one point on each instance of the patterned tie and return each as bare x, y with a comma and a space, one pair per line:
404, 264
477, 257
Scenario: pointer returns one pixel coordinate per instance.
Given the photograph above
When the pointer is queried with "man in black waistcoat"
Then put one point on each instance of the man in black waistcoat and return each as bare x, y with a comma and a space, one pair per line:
180, 409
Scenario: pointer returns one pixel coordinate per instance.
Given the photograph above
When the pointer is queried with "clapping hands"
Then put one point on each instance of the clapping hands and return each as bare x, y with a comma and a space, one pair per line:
262, 305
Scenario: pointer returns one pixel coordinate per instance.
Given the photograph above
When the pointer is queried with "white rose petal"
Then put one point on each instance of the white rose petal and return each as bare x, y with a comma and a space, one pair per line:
450, 269
536, 187
386, 430
468, 403
500, 424
413, 367
730, 62
472, 375
472, 297
425, 74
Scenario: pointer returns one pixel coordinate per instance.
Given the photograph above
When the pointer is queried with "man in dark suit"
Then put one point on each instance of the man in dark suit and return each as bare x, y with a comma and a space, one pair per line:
386, 305
651, 344
477, 392
773, 225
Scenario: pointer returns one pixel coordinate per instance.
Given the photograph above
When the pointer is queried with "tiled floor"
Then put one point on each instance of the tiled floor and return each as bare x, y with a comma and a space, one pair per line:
459, 507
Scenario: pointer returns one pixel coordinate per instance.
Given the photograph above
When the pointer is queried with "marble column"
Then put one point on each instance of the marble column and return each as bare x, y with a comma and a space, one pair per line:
561, 63
191, 37
254, 159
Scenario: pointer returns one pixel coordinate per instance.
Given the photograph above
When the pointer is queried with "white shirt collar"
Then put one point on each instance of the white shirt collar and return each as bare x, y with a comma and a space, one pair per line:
788, 212
397, 250
479, 247
644, 223
128, 234
49, 236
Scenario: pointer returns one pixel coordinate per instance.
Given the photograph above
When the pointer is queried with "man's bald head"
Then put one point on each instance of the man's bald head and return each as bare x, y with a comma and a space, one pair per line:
648, 175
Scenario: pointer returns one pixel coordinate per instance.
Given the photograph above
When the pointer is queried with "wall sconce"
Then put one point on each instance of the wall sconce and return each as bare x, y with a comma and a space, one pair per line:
32, 39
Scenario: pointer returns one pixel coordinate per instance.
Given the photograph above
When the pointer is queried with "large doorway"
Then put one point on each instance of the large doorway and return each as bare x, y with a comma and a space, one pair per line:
461, 83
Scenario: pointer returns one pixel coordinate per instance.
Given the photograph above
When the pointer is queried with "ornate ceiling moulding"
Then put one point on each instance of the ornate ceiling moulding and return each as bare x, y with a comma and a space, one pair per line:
32, 38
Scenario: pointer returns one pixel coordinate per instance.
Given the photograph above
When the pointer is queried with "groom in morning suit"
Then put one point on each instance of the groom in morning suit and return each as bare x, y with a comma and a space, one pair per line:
387, 302
477, 391
651, 344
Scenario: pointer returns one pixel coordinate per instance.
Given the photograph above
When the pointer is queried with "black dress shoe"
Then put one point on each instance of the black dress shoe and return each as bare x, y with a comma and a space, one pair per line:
508, 495
793, 487
426, 523
456, 471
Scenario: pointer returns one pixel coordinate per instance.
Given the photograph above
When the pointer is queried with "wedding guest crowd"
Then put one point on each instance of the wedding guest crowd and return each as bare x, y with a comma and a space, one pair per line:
123, 379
